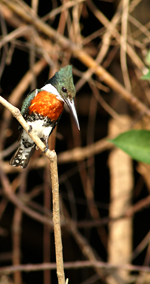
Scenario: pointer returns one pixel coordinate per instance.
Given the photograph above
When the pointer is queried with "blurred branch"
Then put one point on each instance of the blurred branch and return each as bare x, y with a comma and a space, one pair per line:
80, 54
16, 241
111, 30
73, 265
81, 153
74, 155
15, 34
19, 203
58, 10
123, 46
144, 203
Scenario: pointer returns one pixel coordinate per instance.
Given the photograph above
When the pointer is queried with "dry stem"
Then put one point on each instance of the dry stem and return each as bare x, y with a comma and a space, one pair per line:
73, 265
55, 188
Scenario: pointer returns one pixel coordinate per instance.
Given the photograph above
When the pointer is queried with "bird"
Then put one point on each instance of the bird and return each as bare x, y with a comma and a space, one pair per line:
42, 110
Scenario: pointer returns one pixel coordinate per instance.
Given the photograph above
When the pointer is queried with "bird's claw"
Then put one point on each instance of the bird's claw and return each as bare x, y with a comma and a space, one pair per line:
45, 150
30, 128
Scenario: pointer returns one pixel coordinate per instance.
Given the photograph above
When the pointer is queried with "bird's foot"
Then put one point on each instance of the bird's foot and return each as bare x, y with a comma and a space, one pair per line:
46, 149
46, 145
30, 128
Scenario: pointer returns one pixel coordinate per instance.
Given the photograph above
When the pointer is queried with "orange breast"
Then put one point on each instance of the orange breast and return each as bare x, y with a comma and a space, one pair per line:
47, 104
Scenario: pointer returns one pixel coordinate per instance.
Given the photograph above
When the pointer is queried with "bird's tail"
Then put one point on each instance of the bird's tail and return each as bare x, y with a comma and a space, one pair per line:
22, 155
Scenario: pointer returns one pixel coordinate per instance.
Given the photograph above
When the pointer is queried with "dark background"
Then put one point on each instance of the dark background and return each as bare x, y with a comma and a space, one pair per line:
71, 187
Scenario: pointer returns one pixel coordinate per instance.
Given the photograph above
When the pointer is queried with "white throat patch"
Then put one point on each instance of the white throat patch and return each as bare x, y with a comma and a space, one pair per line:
51, 89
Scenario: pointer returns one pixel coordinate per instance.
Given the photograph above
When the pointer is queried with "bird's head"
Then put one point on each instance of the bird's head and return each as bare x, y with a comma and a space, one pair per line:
63, 82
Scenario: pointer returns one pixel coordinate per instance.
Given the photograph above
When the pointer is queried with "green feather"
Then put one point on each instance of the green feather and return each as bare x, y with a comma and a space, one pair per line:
64, 78
26, 103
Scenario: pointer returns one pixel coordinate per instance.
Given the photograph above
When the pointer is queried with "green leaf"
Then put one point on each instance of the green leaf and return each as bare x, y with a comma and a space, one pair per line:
146, 77
136, 143
147, 58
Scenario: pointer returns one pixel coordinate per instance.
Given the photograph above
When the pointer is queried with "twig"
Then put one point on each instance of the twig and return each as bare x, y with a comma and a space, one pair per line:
80, 153
131, 211
55, 188
56, 220
9, 150
99, 15
82, 56
65, 6
17, 114
46, 230
141, 246
15, 34
123, 45
16, 242
106, 40
19, 203
5, 51
72, 265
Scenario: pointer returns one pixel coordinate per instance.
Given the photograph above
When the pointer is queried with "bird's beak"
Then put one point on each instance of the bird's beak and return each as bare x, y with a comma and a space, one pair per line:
71, 106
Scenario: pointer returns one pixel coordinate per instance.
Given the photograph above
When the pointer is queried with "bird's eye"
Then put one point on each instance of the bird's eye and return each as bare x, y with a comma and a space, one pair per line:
64, 89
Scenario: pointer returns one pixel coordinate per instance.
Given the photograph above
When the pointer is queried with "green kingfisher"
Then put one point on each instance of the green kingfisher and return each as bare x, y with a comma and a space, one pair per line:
42, 110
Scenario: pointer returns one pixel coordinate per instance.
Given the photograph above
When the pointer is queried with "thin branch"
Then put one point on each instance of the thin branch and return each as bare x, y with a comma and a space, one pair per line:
17, 114
72, 265
15, 34
123, 45
60, 9
56, 220
142, 204
16, 242
55, 187
81, 153
20, 204
81, 55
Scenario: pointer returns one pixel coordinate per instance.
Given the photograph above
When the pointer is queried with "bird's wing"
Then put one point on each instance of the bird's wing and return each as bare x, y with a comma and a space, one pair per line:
26, 104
